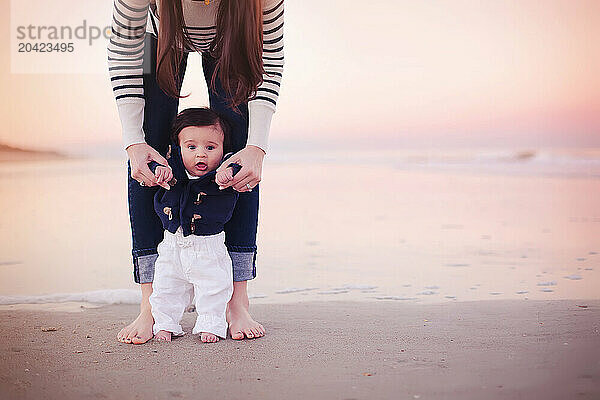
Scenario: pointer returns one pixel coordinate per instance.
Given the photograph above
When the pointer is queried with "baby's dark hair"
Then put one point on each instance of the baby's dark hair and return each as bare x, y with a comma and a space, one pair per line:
202, 116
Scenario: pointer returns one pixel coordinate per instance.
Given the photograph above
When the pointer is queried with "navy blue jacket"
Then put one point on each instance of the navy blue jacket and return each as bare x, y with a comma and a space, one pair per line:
197, 205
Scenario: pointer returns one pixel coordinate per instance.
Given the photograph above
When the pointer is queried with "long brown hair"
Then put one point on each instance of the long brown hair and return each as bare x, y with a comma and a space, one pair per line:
237, 47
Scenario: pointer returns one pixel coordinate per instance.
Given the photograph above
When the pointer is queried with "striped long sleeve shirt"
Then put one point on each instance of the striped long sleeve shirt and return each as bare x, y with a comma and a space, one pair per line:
132, 19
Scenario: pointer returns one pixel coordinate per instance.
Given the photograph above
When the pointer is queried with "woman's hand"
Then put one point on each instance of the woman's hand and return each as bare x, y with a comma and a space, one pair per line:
140, 155
251, 160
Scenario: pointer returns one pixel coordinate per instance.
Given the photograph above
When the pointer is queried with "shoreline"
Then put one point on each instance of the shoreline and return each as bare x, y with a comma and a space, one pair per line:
536, 349
73, 302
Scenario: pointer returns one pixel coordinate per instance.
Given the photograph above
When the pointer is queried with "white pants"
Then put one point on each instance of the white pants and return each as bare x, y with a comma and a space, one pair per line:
192, 267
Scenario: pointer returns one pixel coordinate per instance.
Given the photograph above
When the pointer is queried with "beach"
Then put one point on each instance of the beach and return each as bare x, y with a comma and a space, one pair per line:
497, 349
384, 275
378, 228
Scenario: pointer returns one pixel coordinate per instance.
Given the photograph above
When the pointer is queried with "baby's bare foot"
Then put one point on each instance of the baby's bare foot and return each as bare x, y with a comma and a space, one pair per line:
163, 336
208, 337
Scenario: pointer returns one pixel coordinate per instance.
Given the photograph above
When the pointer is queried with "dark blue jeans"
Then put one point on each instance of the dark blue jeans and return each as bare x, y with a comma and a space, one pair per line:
146, 228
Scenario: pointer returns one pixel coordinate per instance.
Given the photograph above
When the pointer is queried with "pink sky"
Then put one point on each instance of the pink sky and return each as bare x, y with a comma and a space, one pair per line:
411, 72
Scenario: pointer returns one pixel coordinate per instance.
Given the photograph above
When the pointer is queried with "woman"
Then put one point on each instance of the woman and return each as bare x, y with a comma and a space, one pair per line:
241, 42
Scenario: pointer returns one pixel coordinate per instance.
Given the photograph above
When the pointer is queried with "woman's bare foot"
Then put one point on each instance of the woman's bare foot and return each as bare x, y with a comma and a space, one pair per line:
140, 330
240, 322
163, 336
208, 337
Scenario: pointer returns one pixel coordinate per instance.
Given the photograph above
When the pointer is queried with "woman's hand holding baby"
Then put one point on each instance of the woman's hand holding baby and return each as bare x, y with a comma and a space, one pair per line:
140, 154
251, 160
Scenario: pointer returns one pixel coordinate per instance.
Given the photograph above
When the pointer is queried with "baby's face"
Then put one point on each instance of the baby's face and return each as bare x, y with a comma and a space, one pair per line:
201, 148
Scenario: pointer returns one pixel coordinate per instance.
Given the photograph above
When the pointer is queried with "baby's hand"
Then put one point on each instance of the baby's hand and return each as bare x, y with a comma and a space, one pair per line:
224, 176
163, 175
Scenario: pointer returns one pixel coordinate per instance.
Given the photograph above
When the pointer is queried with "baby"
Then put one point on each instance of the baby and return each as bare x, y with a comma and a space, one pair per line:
193, 262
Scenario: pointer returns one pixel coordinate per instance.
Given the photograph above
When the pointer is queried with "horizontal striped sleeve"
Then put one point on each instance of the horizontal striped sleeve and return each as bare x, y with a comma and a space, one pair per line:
272, 53
125, 65
262, 107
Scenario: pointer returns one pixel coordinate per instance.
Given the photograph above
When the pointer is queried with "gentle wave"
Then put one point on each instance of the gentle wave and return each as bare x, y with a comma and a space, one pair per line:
565, 163
107, 296
558, 162
442, 156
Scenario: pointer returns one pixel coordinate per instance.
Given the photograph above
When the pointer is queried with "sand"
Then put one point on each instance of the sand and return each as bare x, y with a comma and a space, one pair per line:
497, 349
424, 235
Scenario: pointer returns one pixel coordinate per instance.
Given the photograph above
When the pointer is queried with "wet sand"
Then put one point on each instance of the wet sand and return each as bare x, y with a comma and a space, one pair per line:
498, 349
426, 236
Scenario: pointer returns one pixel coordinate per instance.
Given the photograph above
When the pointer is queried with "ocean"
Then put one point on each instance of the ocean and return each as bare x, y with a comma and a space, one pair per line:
416, 225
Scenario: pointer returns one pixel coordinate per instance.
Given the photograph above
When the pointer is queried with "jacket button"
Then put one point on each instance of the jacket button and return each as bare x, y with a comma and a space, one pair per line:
199, 199
194, 218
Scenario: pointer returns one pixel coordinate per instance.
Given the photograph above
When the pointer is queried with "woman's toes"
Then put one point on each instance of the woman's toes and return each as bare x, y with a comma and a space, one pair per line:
129, 338
122, 334
237, 335
255, 332
138, 339
249, 333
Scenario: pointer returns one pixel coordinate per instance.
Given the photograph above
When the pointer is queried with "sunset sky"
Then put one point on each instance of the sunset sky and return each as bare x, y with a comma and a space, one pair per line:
407, 73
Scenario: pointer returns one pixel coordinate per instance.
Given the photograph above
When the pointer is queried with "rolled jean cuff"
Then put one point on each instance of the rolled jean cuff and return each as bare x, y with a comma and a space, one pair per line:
143, 265
244, 265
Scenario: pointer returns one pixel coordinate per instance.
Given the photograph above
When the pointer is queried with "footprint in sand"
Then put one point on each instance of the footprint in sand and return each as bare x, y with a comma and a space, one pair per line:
357, 287
427, 293
333, 291
573, 277
522, 292
546, 290
550, 283
395, 298
294, 290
